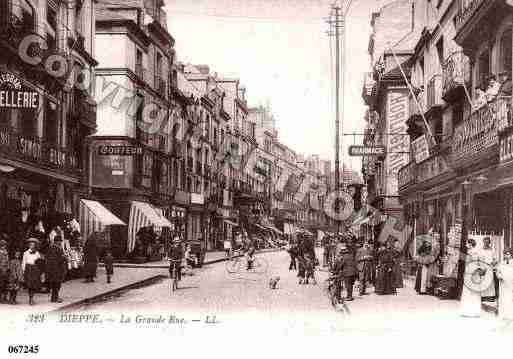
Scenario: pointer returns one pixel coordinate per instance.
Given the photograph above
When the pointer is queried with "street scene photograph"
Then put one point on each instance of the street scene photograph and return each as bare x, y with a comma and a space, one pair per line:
254, 167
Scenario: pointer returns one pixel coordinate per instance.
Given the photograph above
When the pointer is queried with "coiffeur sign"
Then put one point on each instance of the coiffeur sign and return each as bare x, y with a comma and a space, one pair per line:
14, 96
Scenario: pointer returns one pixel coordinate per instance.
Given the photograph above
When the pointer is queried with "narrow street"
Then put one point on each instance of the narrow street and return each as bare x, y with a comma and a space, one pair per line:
237, 299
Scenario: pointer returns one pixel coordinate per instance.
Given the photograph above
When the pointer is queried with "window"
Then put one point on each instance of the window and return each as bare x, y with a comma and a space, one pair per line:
24, 11
505, 52
483, 68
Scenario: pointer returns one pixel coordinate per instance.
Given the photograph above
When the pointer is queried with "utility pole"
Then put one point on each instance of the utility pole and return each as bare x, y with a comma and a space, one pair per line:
335, 25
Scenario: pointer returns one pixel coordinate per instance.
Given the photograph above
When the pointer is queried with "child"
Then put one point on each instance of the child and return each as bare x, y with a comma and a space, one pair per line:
15, 277
109, 264
310, 269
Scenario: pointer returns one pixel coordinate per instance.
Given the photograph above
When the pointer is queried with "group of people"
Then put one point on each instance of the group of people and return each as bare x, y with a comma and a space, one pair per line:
351, 263
484, 94
301, 249
41, 262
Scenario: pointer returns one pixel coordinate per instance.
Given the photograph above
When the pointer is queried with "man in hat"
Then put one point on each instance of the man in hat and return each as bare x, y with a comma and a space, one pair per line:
4, 268
56, 266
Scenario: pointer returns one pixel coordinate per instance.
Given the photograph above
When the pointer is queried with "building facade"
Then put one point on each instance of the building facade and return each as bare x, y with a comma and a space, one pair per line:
46, 110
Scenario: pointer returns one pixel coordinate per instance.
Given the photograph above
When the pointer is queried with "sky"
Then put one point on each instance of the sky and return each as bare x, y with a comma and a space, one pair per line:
280, 51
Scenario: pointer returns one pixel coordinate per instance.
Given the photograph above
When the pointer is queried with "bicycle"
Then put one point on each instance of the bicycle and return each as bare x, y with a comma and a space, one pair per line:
235, 264
173, 273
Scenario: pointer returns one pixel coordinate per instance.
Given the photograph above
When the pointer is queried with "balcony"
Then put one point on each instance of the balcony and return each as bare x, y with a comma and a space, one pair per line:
17, 146
434, 93
434, 166
476, 138
406, 175
456, 75
465, 13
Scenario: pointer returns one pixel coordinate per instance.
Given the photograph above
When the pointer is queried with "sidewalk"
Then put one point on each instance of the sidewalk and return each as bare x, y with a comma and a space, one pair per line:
126, 276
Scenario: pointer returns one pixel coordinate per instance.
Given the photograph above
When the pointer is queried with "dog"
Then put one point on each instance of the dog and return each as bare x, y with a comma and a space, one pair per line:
273, 282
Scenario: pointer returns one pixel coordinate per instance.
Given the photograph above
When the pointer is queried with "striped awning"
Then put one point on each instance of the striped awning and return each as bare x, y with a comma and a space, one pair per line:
94, 217
142, 215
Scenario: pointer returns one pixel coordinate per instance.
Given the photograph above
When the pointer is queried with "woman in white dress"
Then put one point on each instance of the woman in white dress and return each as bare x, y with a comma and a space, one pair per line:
505, 275
470, 303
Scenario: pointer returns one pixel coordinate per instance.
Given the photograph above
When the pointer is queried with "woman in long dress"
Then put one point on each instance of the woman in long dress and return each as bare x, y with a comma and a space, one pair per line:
505, 275
470, 303
30, 266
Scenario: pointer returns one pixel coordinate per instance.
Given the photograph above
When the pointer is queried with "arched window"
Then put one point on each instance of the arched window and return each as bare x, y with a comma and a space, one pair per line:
505, 51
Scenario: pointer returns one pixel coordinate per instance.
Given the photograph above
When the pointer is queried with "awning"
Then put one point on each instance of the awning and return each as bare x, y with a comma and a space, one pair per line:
164, 221
143, 214
94, 217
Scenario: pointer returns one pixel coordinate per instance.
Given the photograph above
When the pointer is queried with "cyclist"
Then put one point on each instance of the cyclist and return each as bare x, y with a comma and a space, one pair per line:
175, 259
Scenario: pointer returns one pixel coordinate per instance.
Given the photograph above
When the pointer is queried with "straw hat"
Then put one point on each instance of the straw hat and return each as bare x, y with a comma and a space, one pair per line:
32, 239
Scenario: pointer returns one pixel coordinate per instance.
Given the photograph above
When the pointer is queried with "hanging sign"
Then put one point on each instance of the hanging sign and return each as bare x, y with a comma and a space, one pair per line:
14, 95
420, 149
366, 150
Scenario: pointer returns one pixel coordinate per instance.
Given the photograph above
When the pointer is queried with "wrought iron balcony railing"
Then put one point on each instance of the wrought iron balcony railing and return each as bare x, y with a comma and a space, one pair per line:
504, 120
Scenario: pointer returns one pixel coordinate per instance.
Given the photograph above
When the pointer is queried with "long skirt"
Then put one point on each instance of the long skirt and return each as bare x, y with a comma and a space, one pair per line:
470, 303
90, 269
398, 277
379, 286
32, 277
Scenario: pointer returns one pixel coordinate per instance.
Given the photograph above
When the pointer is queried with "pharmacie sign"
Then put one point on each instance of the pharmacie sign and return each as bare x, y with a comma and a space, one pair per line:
14, 95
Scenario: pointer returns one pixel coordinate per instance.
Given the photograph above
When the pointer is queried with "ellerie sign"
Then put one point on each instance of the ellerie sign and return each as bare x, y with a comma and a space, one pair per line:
13, 95
366, 150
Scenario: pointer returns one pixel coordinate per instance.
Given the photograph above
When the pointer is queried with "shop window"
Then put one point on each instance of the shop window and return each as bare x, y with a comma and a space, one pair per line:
505, 52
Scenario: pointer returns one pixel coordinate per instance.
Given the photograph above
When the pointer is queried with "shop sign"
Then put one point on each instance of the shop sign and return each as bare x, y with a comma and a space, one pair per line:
119, 150
420, 149
366, 150
477, 133
197, 198
114, 171
14, 95
397, 144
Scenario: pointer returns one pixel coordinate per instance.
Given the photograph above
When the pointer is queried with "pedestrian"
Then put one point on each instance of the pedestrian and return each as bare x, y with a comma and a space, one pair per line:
31, 268
15, 276
310, 269
349, 272
90, 259
301, 269
56, 266
364, 265
175, 260
227, 244
505, 276
108, 261
292, 249
387, 262
4, 270
470, 302
336, 275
